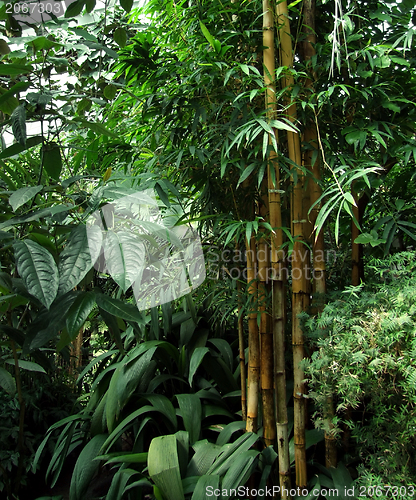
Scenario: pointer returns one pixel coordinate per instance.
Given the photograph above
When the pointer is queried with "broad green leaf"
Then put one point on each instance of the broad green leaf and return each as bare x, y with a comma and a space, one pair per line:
119, 309
120, 37
89, 5
228, 431
163, 466
123, 252
84, 34
52, 160
15, 149
76, 259
27, 365
14, 69
239, 471
126, 4
7, 382
85, 468
23, 195
162, 404
8, 102
207, 34
38, 270
204, 487
191, 411
196, 359
110, 92
18, 119
43, 43
231, 452
75, 8
123, 383
79, 312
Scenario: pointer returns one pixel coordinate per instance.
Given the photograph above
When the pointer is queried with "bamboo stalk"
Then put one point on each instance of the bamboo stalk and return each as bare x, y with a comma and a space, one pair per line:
315, 192
266, 335
253, 340
300, 294
241, 349
277, 261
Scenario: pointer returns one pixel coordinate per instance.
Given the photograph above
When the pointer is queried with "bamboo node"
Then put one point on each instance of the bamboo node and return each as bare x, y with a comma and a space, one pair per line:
278, 191
268, 28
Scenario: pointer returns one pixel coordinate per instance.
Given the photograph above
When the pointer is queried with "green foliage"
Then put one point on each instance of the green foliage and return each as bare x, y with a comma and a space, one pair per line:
365, 357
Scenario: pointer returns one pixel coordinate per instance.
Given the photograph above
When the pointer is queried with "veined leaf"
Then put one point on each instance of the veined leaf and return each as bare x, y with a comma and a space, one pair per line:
118, 308
19, 124
79, 312
163, 465
26, 365
196, 359
191, 411
78, 256
124, 253
75, 8
201, 488
23, 195
85, 468
7, 382
38, 270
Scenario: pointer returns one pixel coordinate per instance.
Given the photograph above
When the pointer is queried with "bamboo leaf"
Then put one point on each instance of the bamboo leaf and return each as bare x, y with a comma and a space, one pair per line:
207, 34
38, 270
246, 173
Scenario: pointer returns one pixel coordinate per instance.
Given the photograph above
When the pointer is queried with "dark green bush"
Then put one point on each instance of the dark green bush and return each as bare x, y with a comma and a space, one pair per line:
365, 358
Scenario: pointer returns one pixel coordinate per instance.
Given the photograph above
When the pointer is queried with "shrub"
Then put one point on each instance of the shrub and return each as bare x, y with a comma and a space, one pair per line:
365, 358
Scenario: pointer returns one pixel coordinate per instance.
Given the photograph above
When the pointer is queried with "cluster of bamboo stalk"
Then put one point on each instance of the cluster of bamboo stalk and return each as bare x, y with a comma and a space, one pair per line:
266, 364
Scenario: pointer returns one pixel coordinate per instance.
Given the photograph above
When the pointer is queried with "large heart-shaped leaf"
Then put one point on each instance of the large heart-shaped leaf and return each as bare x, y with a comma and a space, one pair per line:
38, 270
